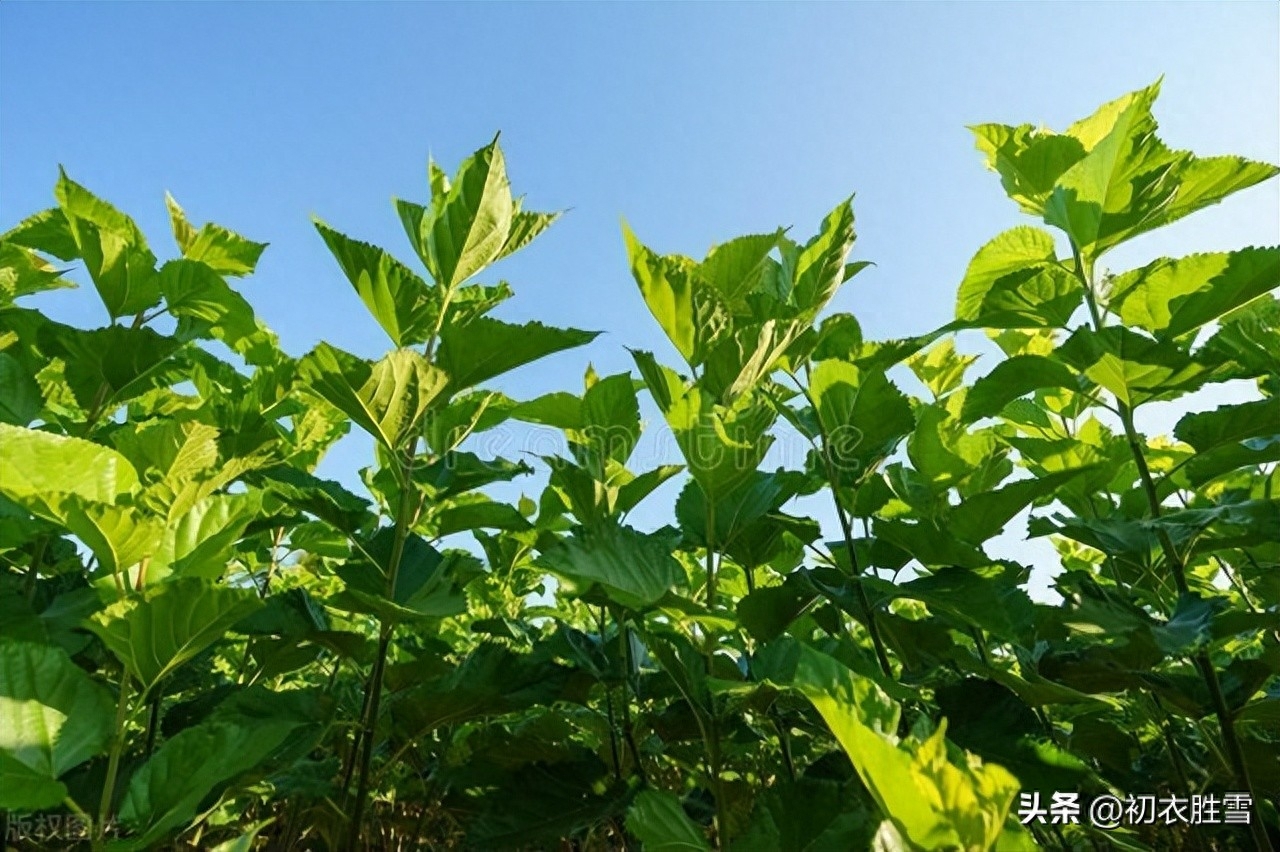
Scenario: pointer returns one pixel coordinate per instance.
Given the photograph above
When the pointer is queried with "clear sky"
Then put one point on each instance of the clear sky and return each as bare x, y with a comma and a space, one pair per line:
694, 122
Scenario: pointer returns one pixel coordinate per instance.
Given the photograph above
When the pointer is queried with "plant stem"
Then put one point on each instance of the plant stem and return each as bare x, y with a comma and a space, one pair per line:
873, 628
33, 570
373, 697
113, 762
153, 724
1137, 448
846, 529
628, 730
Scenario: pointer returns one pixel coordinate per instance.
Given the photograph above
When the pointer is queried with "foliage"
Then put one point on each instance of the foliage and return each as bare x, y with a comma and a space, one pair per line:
204, 644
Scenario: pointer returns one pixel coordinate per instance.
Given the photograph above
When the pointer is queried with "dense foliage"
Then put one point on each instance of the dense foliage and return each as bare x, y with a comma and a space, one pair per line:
205, 645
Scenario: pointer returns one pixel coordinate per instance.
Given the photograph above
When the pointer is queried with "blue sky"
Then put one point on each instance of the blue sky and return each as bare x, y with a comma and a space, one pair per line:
695, 122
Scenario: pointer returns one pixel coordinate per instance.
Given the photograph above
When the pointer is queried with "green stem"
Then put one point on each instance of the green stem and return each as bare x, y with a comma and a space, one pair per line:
113, 761
33, 570
1226, 722
873, 627
374, 693
628, 730
846, 529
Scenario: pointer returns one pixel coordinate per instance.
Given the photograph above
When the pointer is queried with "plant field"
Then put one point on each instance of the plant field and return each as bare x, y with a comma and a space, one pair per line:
206, 645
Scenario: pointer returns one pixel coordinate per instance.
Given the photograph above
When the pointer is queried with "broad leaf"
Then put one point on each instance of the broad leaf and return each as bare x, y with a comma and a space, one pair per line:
466, 228
1014, 378
402, 303
486, 348
632, 568
113, 249
166, 791
172, 623
223, 251
53, 717
36, 465
388, 398
662, 825
1016, 281
1172, 297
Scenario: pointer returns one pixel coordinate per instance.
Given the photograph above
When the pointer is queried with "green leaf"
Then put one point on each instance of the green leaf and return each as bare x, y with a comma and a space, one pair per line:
47, 231
196, 294
166, 791
1190, 627
198, 542
36, 465
819, 268
114, 251
24, 273
808, 815
424, 587
466, 227
1013, 378
1230, 424
735, 269
864, 416
223, 251
990, 720
169, 625
984, 515
24, 789
722, 445
403, 304
1135, 368
1016, 281
20, 397
632, 568
526, 225
107, 367
1029, 160
661, 824
1248, 337
766, 613
931, 801
120, 535
486, 348
1172, 297
388, 398
53, 717
941, 368
1130, 182
688, 309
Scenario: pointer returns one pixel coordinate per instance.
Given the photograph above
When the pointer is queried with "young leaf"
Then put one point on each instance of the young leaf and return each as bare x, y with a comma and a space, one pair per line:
402, 303
388, 398
1016, 281
820, 269
488, 347
689, 310
115, 252
466, 228
223, 251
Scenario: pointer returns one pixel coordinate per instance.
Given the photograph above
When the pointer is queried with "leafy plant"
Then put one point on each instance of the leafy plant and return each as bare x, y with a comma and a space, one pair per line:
204, 644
